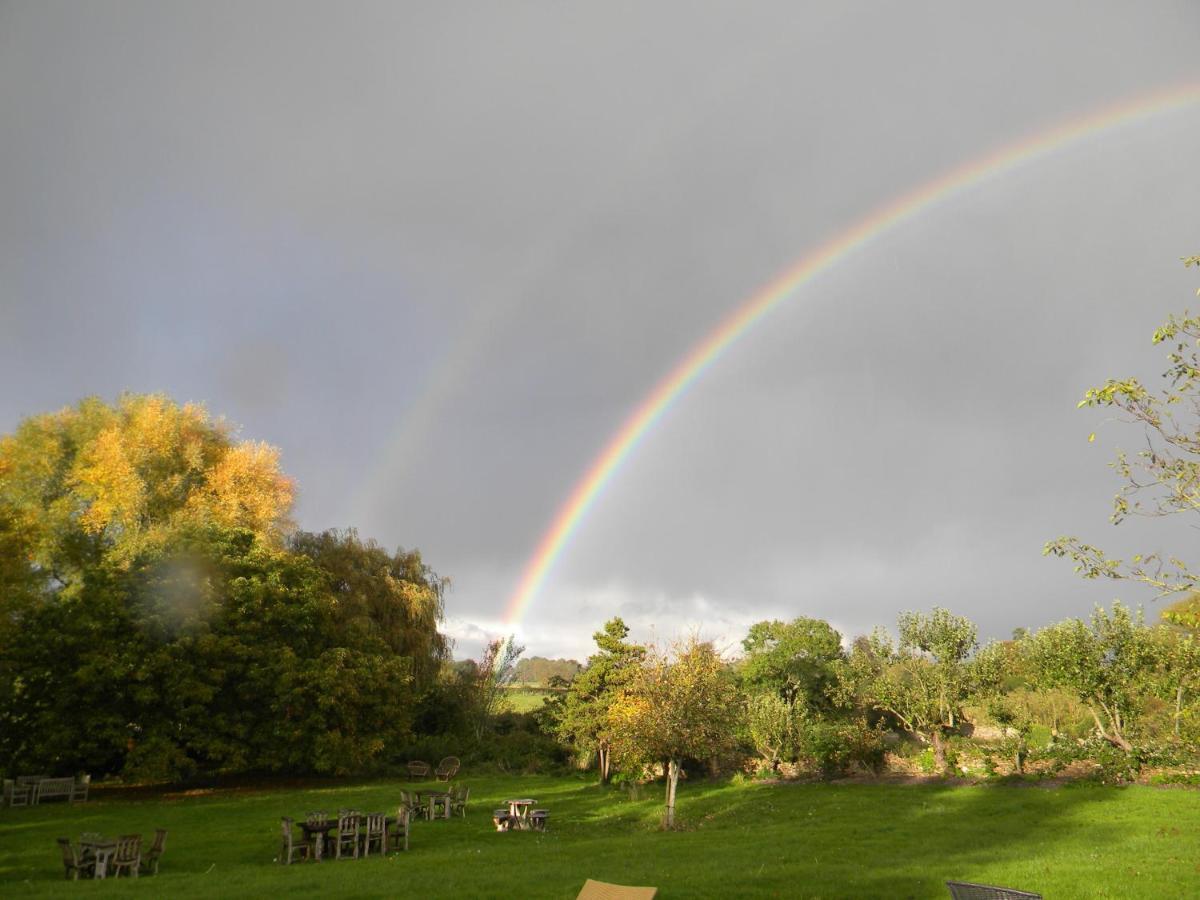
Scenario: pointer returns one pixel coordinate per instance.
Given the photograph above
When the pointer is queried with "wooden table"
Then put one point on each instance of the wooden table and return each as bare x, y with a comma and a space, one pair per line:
432, 797
96, 852
321, 830
518, 812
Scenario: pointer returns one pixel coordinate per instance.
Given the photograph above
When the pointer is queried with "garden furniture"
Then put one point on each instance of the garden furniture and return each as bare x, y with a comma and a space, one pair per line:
518, 813
458, 800
403, 820
417, 770
150, 861
500, 819
538, 819
436, 804
599, 890
347, 834
447, 768
16, 794
290, 849
73, 861
52, 788
374, 833
965, 890
128, 855
95, 851
413, 801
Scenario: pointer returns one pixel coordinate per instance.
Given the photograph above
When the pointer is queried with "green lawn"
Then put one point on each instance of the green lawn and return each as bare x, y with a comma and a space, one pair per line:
791, 840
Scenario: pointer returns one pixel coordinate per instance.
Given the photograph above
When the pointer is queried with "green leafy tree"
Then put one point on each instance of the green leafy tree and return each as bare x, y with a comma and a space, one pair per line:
675, 707
1105, 663
582, 719
773, 726
925, 678
394, 597
795, 660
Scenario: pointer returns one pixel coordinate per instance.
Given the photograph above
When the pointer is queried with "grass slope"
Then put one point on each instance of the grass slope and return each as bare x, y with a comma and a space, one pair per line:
741, 840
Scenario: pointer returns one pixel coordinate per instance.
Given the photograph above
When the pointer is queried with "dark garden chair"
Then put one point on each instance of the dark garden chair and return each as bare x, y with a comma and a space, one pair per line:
459, 795
965, 890
290, 849
72, 860
447, 768
418, 770
399, 836
154, 854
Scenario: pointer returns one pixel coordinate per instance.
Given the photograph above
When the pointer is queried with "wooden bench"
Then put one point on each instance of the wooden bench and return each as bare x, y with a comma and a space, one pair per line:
61, 788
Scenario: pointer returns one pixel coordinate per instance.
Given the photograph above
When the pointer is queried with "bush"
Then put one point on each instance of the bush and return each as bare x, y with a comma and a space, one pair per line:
834, 748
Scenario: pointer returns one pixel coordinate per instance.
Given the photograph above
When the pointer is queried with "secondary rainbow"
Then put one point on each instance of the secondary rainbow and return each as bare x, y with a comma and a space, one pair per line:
754, 309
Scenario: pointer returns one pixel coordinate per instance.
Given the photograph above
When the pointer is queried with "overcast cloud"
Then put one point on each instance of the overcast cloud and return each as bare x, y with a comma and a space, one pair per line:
438, 252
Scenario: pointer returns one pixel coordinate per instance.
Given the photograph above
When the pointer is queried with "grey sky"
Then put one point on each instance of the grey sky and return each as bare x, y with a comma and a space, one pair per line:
438, 252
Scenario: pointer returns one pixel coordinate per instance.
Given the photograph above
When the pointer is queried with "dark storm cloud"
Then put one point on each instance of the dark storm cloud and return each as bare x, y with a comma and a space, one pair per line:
438, 253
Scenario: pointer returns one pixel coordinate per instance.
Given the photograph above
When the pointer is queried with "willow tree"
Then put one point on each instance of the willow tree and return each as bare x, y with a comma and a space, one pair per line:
678, 706
99, 483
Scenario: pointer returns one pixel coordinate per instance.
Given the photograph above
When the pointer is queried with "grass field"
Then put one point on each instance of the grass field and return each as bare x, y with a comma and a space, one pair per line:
739, 840
523, 700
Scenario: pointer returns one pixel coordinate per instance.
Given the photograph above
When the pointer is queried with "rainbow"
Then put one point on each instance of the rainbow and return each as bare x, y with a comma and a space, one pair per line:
751, 311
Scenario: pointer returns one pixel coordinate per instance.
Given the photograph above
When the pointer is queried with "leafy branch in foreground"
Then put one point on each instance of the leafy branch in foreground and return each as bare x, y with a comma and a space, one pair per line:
1161, 479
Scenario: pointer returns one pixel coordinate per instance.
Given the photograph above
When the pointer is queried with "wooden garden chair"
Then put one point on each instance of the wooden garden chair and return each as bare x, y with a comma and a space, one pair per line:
447, 768
418, 770
403, 823
599, 890
347, 834
290, 849
17, 793
73, 860
128, 856
458, 800
154, 854
966, 890
374, 832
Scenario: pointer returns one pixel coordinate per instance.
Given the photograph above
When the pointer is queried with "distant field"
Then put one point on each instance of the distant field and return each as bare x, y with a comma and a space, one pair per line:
738, 840
523, 699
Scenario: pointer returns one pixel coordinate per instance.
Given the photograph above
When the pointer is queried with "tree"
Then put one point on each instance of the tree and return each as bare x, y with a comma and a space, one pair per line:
676, 707
1105, 663
485, 680
795, 660
582, 719
924, 679
394, 597
1163, 478
773, 726
96, 482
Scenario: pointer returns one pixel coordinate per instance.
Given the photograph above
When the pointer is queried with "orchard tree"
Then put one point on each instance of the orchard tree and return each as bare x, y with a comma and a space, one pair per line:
1106, 664
582, 719
1163, 478
924, 679
678, 706
774, 727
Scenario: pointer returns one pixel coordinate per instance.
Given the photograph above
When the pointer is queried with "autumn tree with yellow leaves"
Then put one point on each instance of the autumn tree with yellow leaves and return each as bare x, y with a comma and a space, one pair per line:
678, 705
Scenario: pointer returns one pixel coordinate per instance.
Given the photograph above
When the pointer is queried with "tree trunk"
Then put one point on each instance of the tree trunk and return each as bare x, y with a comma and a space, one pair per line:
939, 752
1178, 707
604, 763
672, 781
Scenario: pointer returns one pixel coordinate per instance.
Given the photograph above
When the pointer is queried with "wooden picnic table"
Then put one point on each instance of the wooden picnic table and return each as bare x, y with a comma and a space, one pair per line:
518, 812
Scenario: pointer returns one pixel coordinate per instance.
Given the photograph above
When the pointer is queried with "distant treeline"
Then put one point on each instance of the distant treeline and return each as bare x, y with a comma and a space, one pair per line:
537, 671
